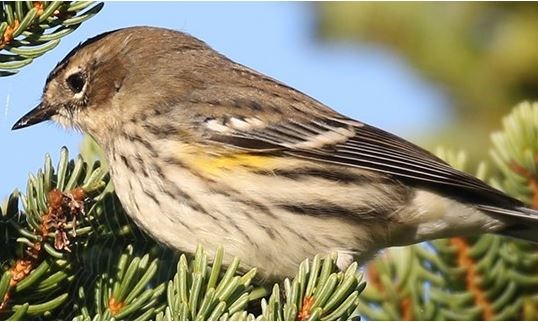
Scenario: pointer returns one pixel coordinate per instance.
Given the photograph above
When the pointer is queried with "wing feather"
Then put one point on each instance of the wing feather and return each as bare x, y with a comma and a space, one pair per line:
350, 143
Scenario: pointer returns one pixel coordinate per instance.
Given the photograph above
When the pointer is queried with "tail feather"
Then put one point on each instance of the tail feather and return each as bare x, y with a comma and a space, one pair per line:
523, 222
516, 212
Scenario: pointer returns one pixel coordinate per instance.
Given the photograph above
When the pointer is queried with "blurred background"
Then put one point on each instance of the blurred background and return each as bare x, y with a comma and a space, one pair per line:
434, 73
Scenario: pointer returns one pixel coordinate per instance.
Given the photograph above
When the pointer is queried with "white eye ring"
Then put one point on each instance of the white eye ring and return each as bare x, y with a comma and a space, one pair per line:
76, 82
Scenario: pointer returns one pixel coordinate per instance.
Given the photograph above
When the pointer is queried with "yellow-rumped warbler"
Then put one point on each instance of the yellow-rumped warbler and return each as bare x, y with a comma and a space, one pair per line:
204, 150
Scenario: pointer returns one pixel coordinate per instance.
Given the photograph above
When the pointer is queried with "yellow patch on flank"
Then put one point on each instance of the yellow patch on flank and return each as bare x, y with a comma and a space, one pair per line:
215, 165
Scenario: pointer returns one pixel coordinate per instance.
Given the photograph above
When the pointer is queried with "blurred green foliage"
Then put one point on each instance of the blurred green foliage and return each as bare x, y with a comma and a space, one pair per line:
483, 54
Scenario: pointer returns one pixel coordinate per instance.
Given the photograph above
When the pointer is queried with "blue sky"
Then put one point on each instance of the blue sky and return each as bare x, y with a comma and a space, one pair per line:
363, 82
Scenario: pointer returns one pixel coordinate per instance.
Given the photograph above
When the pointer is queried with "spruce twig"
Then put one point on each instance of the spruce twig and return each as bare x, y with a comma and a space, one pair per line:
28, 29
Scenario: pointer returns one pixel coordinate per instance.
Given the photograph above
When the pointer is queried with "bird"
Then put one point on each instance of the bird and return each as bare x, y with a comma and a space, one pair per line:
204, 150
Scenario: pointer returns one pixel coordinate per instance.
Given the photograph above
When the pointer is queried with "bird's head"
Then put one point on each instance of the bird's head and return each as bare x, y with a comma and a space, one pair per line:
117, 76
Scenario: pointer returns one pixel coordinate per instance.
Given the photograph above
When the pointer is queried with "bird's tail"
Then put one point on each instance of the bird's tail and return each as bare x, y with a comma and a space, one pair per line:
522, 222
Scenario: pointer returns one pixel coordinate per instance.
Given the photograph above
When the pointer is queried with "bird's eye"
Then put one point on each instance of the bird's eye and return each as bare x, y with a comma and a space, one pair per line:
76, 82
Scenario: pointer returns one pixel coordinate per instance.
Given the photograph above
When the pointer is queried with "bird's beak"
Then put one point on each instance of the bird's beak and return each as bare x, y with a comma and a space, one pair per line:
40, 113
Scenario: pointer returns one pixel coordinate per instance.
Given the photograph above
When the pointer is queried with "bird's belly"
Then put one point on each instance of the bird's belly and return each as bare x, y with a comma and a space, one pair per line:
181, 210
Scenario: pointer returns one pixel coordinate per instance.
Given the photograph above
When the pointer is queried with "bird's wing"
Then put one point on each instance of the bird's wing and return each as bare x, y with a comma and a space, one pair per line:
339, 140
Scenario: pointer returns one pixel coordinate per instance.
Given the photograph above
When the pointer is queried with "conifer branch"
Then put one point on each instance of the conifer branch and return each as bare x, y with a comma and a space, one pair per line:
28, 29
61, 261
